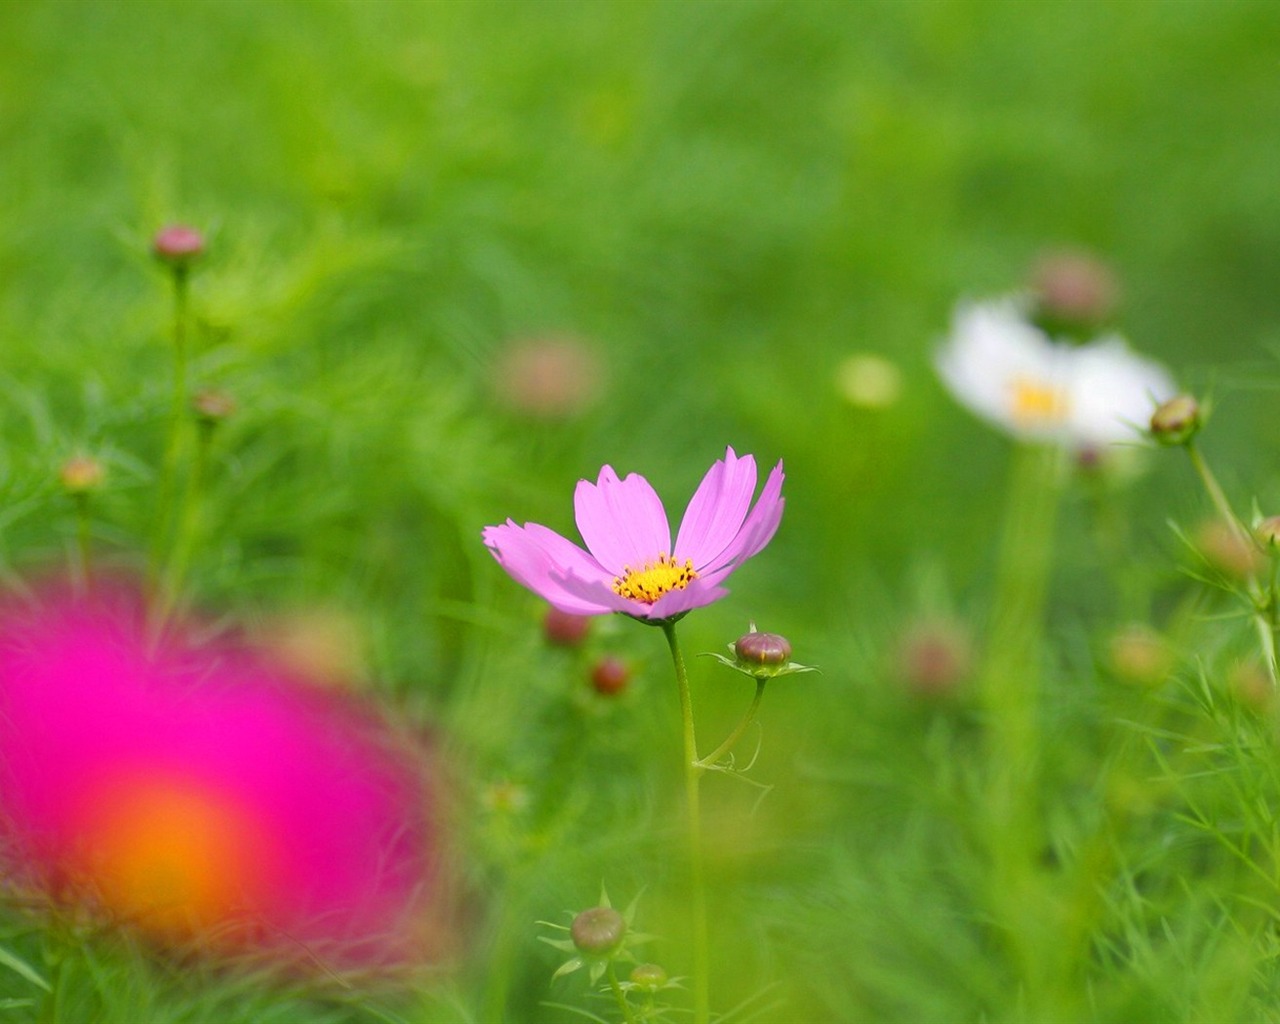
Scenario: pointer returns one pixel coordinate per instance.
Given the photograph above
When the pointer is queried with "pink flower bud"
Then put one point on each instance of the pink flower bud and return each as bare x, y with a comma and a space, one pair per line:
610, 676
563, 629
1075, 287
178, 245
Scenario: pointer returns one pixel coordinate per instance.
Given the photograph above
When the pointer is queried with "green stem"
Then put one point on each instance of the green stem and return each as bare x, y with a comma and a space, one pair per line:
186, 535
83, 540
1263, 600
619, 995
692, 776
1216, 494
1010, 693
710, 760
177, 418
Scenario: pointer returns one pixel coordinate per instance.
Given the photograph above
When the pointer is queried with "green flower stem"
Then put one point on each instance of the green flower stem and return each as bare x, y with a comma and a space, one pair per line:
1010, 696
710, 760
177, 416
623, 1006
1264, 600
83, 542
1215, 492
187, 531
692, 776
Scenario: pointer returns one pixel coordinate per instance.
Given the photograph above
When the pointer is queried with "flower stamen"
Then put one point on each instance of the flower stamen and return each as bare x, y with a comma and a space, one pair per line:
653, 579
1033, 401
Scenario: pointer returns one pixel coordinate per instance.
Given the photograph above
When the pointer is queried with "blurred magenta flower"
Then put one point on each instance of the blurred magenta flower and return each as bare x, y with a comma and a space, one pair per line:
197, 792
630, 565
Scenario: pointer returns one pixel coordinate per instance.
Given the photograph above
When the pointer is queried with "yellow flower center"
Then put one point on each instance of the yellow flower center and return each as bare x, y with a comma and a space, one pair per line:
1033, 402
653, 579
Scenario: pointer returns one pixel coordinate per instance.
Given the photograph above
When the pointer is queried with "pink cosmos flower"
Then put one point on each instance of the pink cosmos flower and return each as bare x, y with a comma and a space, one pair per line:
629, 564
196, 792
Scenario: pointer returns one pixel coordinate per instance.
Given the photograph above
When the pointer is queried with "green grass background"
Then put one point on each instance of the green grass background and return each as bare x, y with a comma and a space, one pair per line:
726, 199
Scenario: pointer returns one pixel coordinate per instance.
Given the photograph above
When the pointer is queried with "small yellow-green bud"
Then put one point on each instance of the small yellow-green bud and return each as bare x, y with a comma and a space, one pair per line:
81, 474
1176, 421
598, 932
765, 649
648, 977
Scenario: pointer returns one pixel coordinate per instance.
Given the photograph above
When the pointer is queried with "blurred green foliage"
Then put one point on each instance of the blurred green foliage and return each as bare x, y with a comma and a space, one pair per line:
724, 200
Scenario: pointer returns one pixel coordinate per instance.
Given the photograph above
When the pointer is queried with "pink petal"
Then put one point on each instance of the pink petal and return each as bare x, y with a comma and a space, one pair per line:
598, 594
756, 532
622, 521
536, 557
717, 509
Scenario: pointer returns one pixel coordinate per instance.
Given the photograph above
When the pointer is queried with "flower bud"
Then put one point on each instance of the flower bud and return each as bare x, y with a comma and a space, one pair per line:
868, 381
505, 797
1074, 287
81, 474
552, 378
177, 245
1268, 533
648, 977
767, 650
598, 932
212, 407
1138, 654
1227, 550
934, 659
610, 676
564, 629
1251, 685
1176, 421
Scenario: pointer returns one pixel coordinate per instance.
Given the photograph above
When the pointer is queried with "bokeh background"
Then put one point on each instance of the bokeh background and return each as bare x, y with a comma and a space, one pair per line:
707, 207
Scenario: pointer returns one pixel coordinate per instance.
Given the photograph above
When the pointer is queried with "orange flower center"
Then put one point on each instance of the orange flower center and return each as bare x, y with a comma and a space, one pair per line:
1033, 402
653, 579
172, 854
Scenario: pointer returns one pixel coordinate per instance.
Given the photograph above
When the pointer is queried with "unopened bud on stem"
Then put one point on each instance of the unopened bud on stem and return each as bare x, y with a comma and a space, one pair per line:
1176, 421
598, 932
177, 245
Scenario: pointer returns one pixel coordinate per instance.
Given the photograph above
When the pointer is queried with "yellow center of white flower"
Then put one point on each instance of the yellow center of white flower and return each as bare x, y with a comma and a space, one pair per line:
653, 579
1033, 402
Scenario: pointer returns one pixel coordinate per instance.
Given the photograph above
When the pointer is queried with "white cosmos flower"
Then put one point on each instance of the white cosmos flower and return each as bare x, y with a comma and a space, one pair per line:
1002, 367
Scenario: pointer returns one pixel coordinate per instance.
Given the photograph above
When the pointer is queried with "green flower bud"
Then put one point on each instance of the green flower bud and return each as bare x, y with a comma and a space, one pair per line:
648, 977
598, 932
1176, 421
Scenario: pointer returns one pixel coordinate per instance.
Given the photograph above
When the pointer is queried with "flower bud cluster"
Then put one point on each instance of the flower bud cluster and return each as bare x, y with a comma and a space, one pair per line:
600, 936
